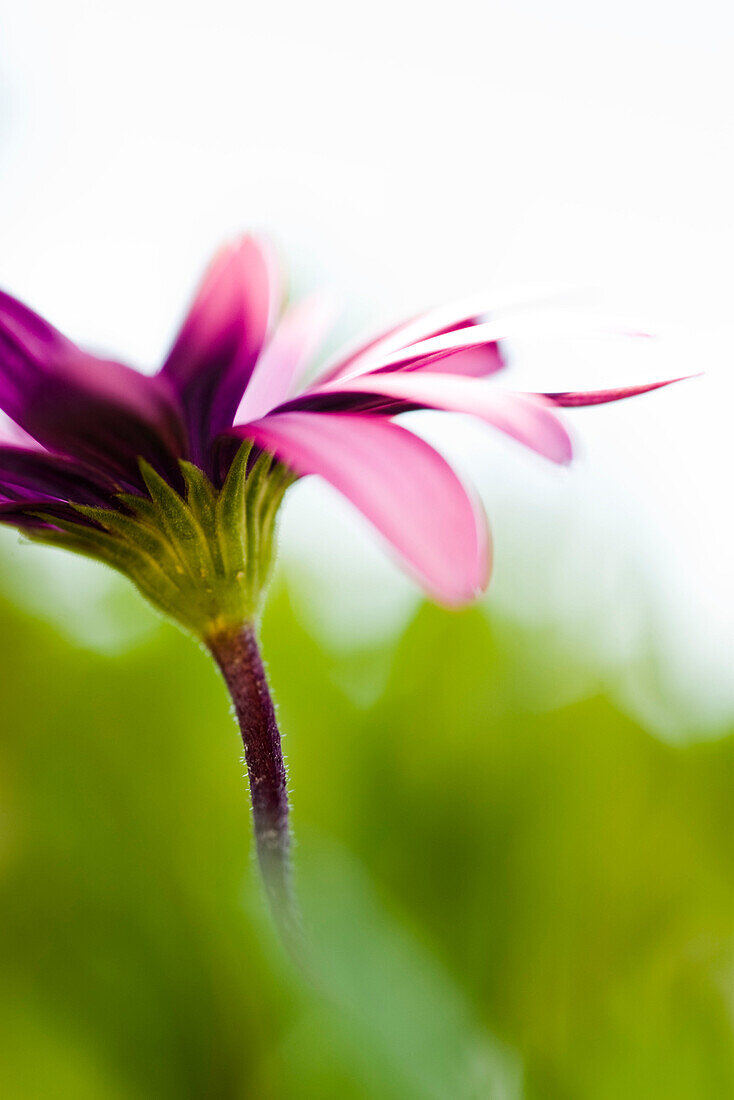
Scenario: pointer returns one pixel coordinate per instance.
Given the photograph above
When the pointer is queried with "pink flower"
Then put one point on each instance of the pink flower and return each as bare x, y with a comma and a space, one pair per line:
175, 479
235, 368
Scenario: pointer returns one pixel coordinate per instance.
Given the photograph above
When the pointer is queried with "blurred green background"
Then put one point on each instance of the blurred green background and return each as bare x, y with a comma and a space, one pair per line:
507, 895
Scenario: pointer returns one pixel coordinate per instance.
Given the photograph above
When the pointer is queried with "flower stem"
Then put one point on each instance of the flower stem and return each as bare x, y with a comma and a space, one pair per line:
237, 654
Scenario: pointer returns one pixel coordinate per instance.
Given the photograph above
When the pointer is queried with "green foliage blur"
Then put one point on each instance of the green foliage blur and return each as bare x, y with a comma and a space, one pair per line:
507, 896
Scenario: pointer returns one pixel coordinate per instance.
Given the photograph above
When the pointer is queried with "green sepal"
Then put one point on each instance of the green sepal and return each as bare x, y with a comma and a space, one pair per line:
179, 523
231, 522
262, 502
140, 566
203, 558
201, 497
130, 531
142, 508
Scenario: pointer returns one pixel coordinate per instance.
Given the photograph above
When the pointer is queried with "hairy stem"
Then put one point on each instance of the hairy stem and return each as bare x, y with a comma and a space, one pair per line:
237, 654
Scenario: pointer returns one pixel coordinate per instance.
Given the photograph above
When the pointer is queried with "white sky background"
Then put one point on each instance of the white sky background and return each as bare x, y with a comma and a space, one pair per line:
406, 160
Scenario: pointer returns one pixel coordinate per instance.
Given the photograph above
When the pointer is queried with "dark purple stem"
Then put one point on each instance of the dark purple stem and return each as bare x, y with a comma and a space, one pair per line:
237, 654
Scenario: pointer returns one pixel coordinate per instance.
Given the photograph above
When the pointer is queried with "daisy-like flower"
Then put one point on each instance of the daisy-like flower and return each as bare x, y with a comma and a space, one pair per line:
175, 479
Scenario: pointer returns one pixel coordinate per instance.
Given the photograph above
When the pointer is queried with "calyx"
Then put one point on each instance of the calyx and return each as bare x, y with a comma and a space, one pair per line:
203, 558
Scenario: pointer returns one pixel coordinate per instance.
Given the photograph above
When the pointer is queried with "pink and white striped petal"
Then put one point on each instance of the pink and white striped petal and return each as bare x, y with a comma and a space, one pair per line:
295, 341
423, 353
528, 418
443, 319
400, 483
367, 354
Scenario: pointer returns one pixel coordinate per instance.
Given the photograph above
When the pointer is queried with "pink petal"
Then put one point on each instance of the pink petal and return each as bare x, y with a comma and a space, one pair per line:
13, 434
528, 418
295, 341
215, 352
404, 487
475, 362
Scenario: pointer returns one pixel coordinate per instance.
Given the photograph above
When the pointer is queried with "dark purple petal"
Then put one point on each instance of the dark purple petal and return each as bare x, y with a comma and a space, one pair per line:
96, 410
24, 514
347, 402
216, 350
40, 474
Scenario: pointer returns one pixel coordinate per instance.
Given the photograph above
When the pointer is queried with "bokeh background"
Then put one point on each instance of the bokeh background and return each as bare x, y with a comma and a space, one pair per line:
515, 823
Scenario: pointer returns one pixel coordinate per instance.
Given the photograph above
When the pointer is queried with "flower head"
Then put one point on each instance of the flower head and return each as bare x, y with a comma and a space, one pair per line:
175, 478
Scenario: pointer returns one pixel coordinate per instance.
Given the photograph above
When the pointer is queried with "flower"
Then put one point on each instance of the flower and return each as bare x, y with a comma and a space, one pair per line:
233, 372
175, 479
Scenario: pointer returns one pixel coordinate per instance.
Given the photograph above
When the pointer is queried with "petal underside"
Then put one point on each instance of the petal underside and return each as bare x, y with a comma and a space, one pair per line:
527, 418
367, 354
96, 410
32, 473
400, 483
296, 339
217, 347
577, 398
